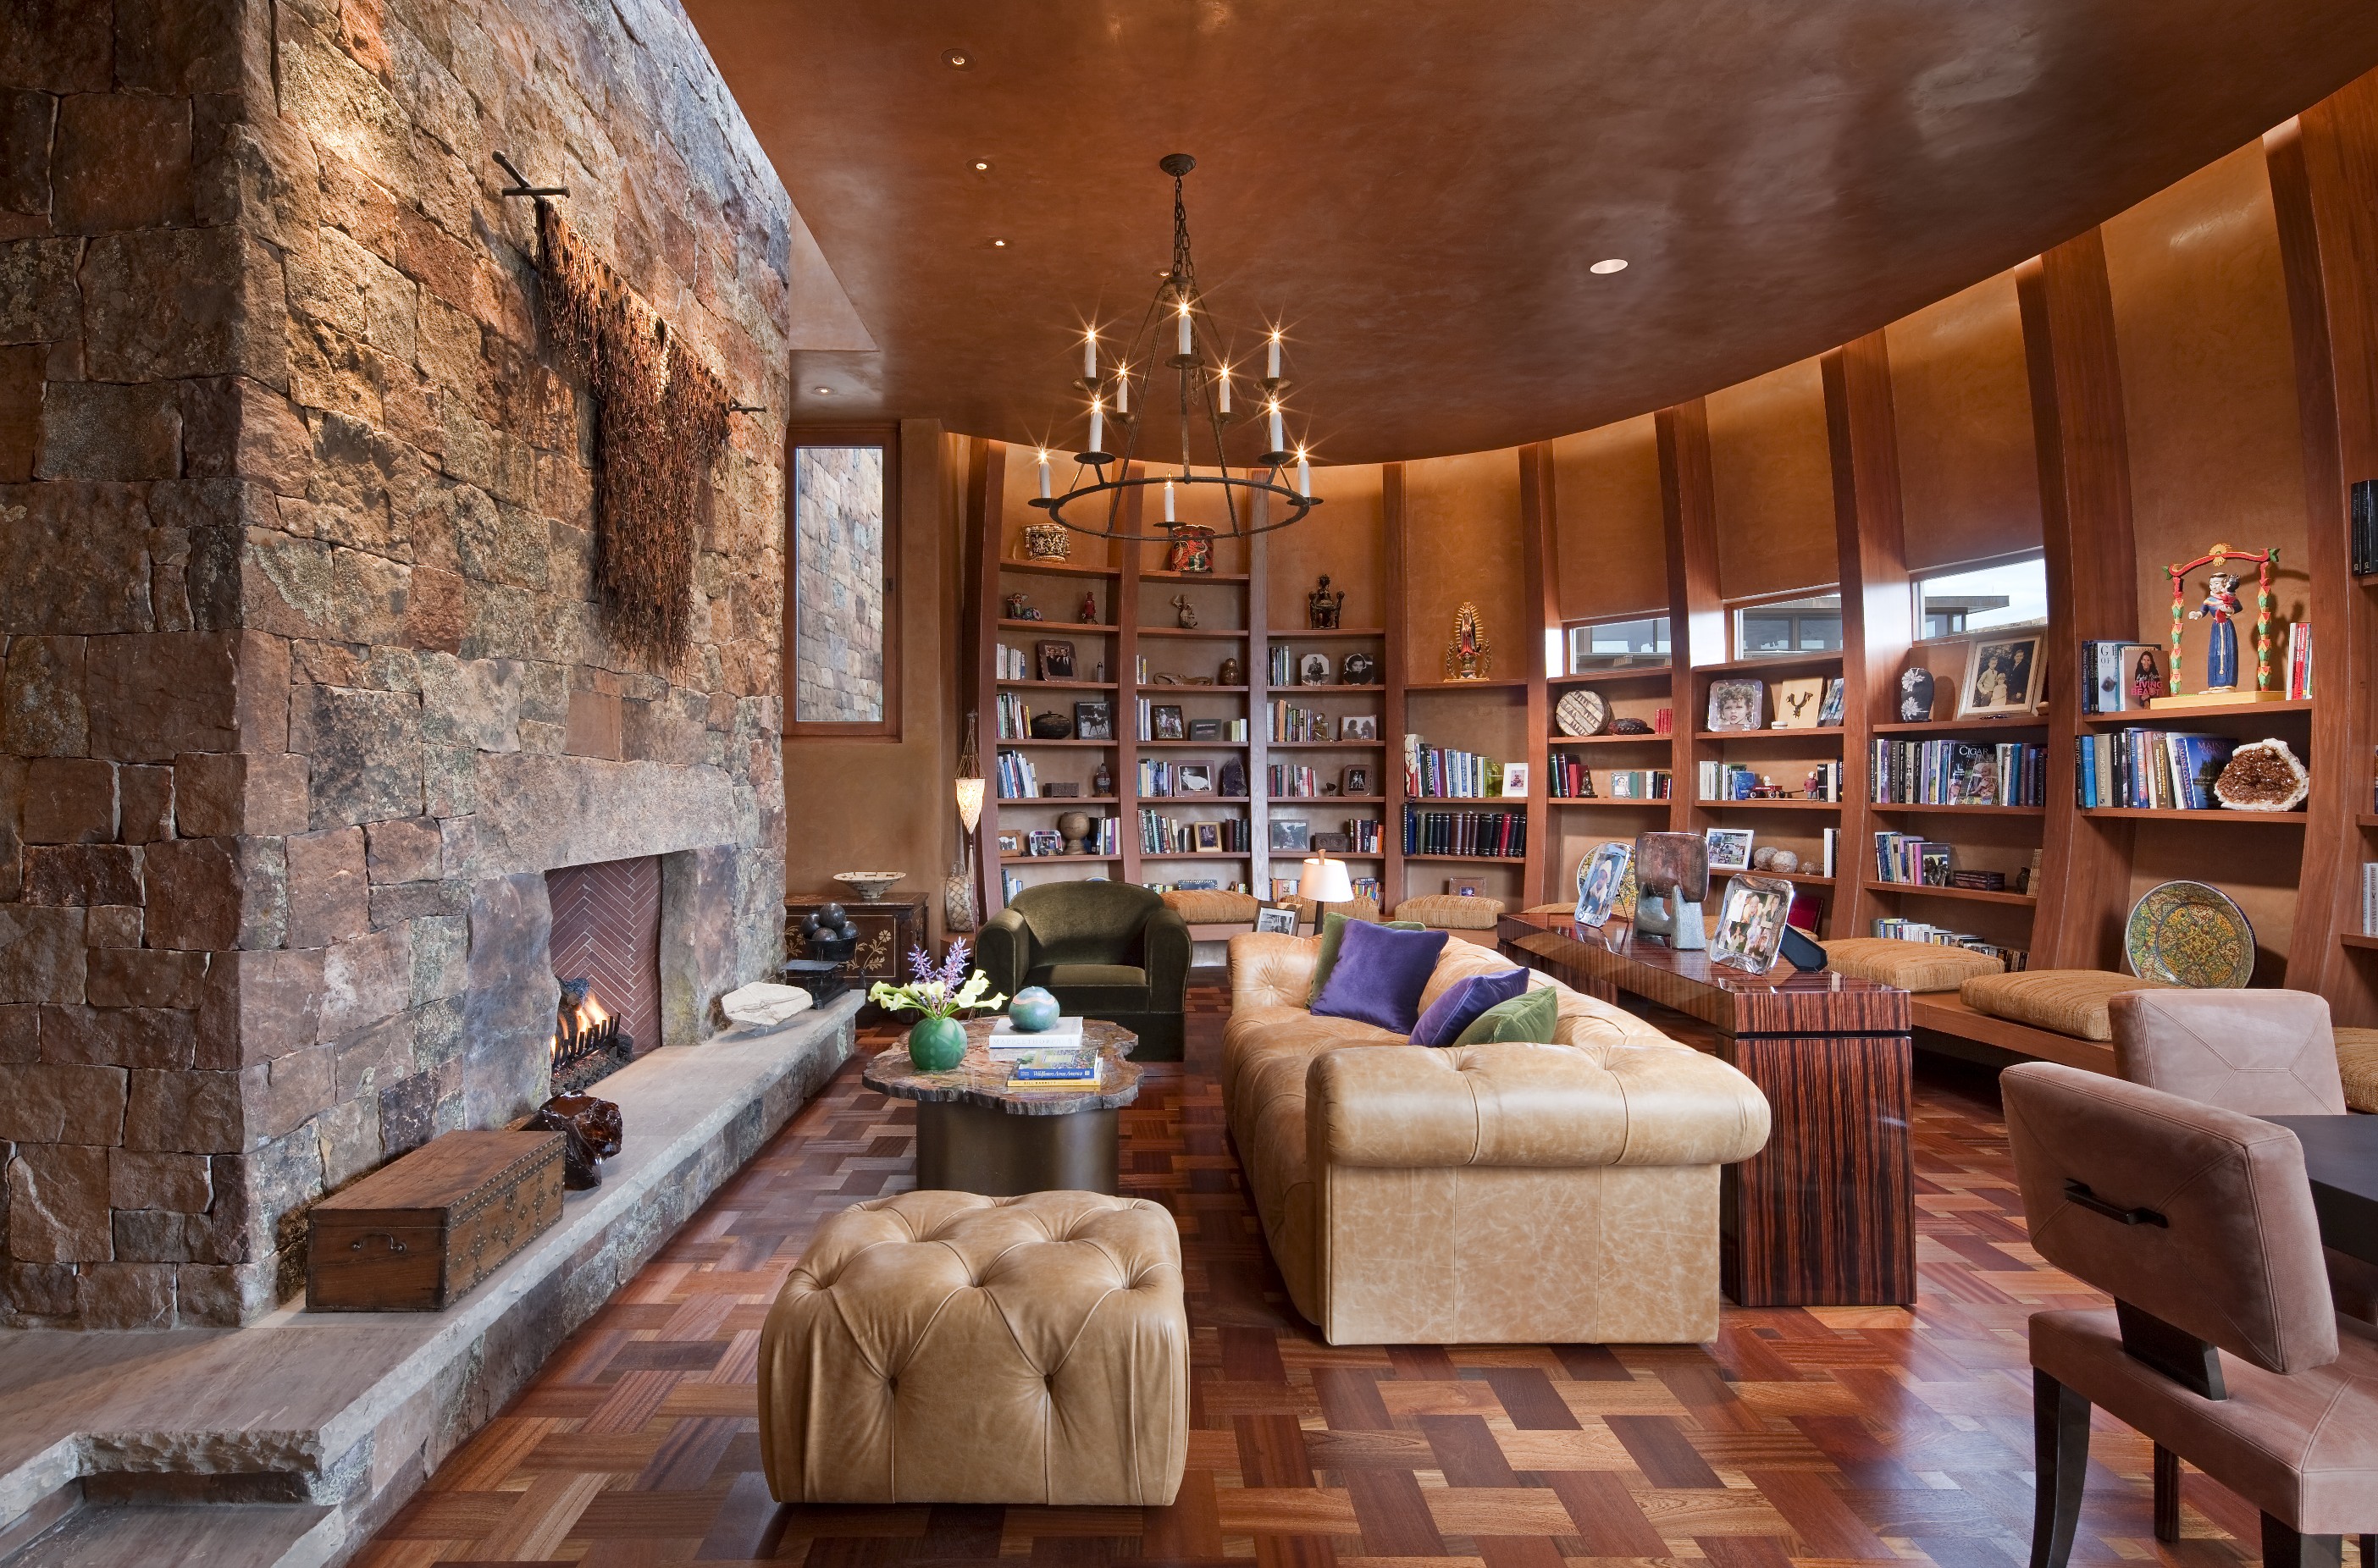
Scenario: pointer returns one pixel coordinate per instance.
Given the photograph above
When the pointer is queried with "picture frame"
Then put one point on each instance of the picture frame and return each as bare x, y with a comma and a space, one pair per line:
1359, 726
1044, 840
1054, 659
1737, 704
1164, 719
1515, 781
1194, 778
1291, 833
1209, 837
1599, 877
1205, 729
1829, 716
1750, 922
1466, 887
1358, 669
1355, 780
1011, 844
1729, 849
1799, 703
1093, 721
1314, 670
1321, 727
1332, 844
1281, 921
2002, 675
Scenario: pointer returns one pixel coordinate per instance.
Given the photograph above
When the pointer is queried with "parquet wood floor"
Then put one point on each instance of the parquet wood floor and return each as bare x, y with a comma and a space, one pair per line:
1825, 1438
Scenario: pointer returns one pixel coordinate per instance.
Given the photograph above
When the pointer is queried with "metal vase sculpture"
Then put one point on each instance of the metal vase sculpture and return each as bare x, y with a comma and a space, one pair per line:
936, 1044
1671, 879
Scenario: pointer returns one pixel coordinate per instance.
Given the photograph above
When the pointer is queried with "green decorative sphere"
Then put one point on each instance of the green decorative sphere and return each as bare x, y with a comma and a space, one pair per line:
936, 1044
1033, 1009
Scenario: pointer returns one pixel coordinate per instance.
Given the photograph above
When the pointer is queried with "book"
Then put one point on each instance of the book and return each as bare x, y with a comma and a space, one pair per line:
1065, 1035
1054, 1069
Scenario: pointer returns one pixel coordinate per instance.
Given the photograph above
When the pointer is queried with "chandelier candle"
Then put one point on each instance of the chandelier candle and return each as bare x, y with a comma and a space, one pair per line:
1277, 443
1098, 426
1122, 389
1304, 474
1186, 349
1271, 366
1044, 476
1090, 358
1222, 381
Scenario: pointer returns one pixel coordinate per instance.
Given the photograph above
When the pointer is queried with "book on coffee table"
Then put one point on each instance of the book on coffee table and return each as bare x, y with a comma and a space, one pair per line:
1065, 1035
1054, 1069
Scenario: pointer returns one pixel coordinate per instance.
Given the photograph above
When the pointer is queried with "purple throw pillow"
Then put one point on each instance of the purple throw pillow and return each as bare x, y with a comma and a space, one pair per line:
1379, 976
1459, 1008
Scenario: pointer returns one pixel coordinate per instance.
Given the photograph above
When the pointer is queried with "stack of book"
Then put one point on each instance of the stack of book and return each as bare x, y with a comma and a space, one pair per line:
1641, 784
1958, 772
1911, 860
2370, 898
1053, 1068
1732, 780
1288, 783
1499, 835
1160, 835
1292, 722
1440, 773
1568, 778
2365, 527
2156, 770
1017, 780
2299, 662
1012, 663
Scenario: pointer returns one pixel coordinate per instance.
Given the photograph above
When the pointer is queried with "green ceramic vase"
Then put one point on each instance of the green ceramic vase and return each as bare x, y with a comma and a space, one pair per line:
936, 1044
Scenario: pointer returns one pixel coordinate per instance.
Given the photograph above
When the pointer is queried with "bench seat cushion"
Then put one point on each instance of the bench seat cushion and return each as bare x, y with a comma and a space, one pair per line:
1911, 966
2062, 1001
1214, 906
2357, 1063
1451, 912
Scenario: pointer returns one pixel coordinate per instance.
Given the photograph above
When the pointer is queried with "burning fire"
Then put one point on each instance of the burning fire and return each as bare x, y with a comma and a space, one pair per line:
578, 1025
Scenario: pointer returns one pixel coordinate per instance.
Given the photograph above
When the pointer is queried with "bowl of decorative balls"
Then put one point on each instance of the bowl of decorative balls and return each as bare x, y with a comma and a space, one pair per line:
828, 933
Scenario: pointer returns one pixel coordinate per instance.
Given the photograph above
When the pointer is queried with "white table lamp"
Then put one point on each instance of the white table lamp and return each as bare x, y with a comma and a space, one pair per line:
1326, 881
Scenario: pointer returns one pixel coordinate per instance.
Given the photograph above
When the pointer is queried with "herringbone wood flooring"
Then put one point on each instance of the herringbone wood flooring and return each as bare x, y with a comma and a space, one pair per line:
1825, 1437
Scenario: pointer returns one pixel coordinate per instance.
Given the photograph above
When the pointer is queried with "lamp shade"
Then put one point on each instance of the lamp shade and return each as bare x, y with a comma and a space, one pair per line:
1326, 881
970, 803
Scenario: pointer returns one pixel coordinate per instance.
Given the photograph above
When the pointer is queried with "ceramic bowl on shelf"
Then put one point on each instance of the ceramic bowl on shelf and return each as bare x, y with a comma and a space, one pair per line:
868, 887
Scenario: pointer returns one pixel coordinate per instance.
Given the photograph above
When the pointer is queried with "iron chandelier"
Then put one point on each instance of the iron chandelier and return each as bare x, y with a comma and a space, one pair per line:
1203, 411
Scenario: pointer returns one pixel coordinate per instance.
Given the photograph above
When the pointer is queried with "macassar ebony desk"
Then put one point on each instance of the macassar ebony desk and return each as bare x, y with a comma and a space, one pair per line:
1823, 1215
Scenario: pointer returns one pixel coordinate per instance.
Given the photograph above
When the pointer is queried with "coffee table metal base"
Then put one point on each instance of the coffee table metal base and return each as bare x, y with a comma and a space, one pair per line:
967, 1148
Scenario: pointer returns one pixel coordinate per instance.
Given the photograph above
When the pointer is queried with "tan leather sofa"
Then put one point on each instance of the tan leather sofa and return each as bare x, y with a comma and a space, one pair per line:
1563, 1193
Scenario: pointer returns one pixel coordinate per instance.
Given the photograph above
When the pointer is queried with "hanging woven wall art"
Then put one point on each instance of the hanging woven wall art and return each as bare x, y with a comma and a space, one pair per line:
660, 423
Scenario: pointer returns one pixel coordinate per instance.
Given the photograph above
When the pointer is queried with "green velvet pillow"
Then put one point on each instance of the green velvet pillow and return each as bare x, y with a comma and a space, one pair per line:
1333, 931
1529, 1016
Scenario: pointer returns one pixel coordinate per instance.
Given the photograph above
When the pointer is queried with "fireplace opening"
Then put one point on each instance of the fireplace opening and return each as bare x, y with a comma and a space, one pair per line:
606, 946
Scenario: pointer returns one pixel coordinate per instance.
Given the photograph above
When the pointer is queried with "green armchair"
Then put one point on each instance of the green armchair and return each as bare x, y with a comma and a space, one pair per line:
1104, 950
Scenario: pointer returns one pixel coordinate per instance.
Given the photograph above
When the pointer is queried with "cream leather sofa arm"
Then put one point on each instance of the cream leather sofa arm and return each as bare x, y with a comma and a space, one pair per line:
1269, 969
1411, 1107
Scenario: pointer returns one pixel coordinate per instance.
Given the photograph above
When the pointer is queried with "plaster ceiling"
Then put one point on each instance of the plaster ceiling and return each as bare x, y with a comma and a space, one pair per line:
1417, 188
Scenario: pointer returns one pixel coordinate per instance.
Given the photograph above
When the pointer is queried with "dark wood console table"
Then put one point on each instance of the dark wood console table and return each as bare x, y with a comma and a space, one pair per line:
1823, 1215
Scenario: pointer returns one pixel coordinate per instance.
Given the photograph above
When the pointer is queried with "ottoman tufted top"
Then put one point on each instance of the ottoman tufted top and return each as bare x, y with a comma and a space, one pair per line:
952, 1347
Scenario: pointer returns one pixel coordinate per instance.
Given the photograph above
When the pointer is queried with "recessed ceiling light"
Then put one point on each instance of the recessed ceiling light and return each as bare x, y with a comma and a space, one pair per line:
957, 59
823, 391
981, 166
998, 245
1616, 264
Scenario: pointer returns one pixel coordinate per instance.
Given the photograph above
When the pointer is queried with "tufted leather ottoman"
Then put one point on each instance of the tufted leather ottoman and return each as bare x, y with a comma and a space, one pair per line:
947, 1347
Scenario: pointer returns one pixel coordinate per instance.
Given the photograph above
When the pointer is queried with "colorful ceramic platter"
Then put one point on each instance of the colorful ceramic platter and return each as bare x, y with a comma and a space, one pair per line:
1582, 712
2189, 934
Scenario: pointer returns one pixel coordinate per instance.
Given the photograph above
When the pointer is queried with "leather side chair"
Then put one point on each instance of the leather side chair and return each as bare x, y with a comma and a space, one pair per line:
2222, 1346
1103, 950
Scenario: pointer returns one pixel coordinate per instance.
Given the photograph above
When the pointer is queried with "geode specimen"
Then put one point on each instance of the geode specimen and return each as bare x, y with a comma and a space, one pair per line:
2263, 776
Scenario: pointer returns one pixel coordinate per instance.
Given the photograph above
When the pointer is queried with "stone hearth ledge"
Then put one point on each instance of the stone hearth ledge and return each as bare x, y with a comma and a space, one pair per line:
347, 1414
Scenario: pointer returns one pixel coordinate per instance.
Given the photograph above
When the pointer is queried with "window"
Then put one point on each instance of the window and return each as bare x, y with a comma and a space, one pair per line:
841, 646
1807, 625
1614, 645
1982, 598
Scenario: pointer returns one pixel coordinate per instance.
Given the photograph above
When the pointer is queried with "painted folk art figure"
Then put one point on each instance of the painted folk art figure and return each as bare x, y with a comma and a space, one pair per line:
1089, 616
2221, 608
1468, 657
1186, 612
1192, 549
1322, 607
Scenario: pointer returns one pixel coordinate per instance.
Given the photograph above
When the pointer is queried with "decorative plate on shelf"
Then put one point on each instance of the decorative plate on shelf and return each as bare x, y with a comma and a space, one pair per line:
1582, 712
2189, 934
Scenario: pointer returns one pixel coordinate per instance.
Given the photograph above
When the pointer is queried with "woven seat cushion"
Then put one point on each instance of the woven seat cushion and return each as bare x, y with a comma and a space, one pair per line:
2357, 1063
1308, 913
1911, 966
1451, 912
2063, 1001
1214, 907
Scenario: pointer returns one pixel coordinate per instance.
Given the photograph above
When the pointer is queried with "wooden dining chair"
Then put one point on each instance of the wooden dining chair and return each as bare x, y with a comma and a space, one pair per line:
2222, 1346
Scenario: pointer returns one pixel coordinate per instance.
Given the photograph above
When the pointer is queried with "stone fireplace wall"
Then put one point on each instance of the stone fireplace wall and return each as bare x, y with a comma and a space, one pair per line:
303, 686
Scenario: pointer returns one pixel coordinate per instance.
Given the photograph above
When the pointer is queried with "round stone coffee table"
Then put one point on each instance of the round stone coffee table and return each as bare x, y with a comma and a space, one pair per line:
976, 1134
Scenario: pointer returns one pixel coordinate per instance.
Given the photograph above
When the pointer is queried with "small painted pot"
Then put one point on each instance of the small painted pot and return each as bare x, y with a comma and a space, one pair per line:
936, 1044
1032, 1010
